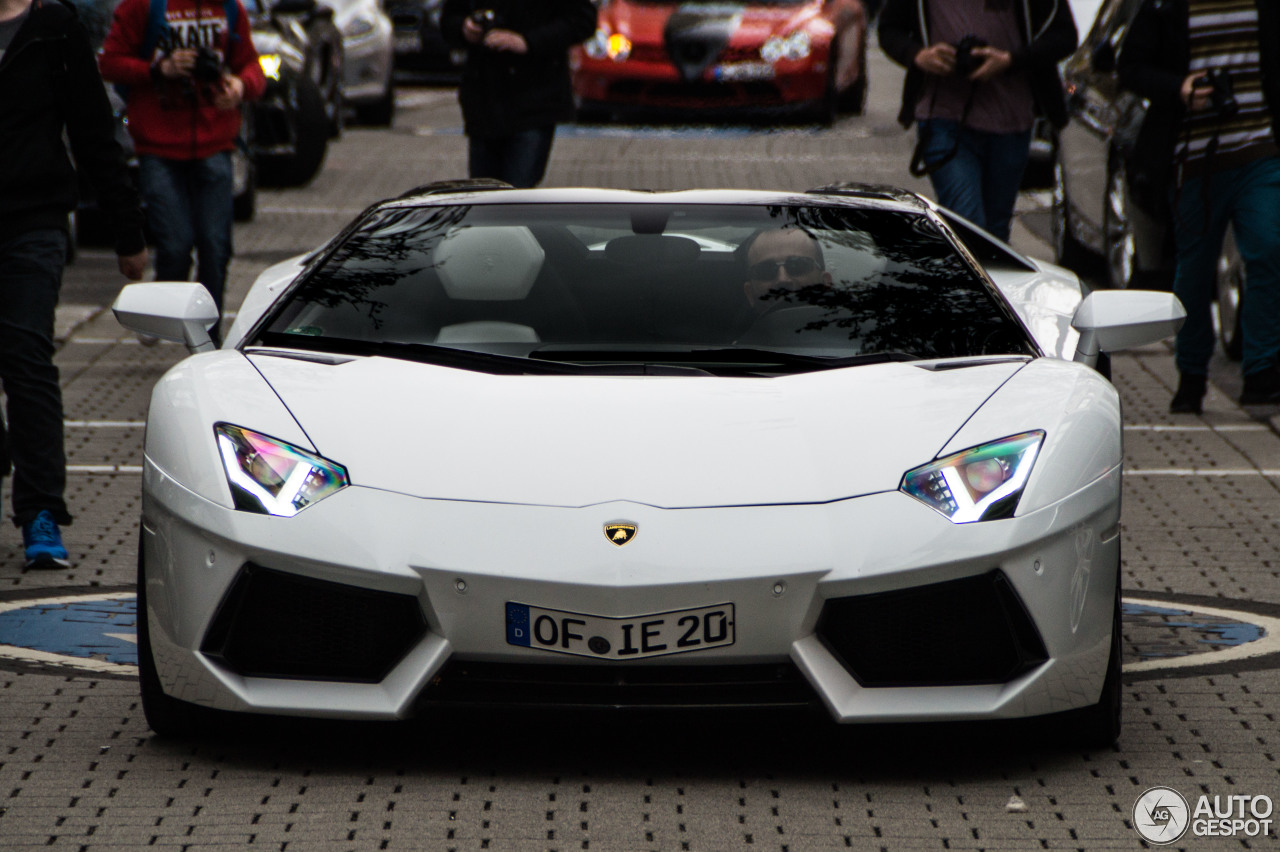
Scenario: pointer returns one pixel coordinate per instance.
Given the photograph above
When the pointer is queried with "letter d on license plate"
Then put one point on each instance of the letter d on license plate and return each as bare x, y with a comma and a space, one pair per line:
628, 638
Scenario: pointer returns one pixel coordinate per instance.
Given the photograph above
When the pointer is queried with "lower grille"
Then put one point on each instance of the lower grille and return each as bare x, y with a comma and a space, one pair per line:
970, 631
476, 683
276, 624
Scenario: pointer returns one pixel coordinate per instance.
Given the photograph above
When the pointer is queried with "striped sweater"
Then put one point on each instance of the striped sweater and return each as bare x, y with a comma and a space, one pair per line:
1224, 36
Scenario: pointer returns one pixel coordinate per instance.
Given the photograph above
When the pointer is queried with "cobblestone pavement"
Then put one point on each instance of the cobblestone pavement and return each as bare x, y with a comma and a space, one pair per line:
80, 770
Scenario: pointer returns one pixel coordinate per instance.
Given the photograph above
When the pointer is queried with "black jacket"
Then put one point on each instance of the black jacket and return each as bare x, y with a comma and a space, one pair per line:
503, 92
1156, 58
1047, 26
49, 81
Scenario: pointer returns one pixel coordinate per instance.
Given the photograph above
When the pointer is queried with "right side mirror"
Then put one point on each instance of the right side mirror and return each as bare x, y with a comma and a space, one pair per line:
1110, 320
180, 311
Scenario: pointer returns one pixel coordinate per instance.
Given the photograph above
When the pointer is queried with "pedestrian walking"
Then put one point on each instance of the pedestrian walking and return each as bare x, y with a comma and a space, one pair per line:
1211, 71
515, 84
187, 66
50, 89
978, 73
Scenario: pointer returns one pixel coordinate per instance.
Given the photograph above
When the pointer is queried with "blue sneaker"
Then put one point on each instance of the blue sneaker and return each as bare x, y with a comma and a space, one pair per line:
43, 543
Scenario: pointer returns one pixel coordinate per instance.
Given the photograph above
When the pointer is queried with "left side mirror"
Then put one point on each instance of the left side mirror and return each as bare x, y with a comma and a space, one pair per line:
1110, 320
170, 310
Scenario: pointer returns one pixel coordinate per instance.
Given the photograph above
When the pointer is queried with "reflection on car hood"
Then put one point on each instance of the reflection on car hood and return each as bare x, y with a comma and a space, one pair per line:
671, 442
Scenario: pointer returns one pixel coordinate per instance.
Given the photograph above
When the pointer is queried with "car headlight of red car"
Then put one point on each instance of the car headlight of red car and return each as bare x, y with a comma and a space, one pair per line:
792, 47
603, 44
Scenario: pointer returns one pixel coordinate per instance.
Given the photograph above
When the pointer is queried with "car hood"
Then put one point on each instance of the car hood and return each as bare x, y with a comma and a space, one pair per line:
671, 442
647, 23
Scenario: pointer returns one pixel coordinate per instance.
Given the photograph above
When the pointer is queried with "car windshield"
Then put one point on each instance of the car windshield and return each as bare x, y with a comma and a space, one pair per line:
721, 289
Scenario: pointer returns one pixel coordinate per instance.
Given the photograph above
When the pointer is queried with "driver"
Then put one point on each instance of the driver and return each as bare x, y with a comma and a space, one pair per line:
781, 261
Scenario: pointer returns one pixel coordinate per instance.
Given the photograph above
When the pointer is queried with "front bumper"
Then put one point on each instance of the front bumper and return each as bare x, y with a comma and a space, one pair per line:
729, 86
778, 565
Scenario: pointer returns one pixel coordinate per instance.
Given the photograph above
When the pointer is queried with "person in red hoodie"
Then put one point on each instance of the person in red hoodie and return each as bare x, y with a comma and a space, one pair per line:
186, 80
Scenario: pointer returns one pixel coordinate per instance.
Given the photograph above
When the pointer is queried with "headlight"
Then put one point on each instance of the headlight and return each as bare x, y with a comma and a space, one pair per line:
270, 63
981, 484
271, 477
615, 46
793, 47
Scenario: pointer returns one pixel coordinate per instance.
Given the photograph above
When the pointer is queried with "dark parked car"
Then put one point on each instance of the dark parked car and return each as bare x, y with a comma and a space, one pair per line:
1094, 215
301, 54
420, 49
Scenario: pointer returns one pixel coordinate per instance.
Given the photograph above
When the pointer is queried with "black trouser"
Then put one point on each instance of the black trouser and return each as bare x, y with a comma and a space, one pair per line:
30, 277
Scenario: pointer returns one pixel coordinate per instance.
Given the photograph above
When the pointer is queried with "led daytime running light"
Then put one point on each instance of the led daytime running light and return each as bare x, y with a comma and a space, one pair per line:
966, 485
272, 477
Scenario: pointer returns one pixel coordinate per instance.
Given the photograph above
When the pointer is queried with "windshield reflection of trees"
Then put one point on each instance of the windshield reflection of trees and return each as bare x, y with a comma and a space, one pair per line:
363, 273
921, 298
924, 299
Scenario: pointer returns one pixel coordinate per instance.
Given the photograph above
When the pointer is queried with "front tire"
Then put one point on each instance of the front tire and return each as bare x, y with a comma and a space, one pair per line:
311, 141
1067, 250
381, 112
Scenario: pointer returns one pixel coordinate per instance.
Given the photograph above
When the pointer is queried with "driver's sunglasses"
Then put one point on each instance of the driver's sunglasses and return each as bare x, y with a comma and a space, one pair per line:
796, 266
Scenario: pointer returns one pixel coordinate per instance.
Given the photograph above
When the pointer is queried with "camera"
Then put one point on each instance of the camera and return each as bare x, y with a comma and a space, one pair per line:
1222, 96
208, 67
486, 19
966, 62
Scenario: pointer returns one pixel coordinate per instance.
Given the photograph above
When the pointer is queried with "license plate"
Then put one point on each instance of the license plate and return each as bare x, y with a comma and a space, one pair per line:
408, 42
629, 638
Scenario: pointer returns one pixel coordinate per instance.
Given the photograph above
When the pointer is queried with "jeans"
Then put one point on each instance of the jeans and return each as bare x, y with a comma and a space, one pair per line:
520, 159
981, 181
1247, 197
30, 277
190, 207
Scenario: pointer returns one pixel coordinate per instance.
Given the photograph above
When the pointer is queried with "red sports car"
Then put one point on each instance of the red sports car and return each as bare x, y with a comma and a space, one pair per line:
807, 55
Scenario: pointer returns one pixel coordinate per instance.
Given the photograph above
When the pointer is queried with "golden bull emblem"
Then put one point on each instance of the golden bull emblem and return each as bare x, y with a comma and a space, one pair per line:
619, 534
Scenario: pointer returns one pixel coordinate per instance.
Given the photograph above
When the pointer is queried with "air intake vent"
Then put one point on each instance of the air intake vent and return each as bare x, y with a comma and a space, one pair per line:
969, 631
276, 624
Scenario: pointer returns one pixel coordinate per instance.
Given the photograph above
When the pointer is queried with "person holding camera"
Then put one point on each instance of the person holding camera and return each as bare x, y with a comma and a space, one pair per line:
55, 122
515, 84
978, 73
187, 74
1211, 71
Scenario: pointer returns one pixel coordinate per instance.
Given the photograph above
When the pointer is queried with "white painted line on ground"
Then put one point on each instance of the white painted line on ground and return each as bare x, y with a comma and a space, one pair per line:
1267, 644
109, 469
1225, 427
314, 211
104, 424
1194, 471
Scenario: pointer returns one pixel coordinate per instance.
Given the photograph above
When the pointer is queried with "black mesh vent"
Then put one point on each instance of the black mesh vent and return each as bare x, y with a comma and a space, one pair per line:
770, 685
969, 631
275, 624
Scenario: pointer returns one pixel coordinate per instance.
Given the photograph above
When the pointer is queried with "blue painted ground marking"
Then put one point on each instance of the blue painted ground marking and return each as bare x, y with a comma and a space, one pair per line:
98, 629
1217, 632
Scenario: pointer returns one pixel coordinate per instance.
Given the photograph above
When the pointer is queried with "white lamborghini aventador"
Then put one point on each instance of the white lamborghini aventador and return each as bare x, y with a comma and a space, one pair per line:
577, 446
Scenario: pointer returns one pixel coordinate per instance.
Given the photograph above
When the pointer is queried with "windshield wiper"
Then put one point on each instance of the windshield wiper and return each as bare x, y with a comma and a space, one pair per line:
445, 356
729, 356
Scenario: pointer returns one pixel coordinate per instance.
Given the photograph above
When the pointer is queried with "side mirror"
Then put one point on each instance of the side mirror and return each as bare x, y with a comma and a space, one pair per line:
1110, 320
170, 310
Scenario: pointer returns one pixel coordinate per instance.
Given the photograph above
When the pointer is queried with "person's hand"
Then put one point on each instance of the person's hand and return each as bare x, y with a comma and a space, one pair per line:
506, 40
472, 31
994, 63
938, 59
1196, 97
180, 63
230, 92
133, 266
